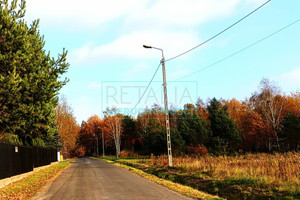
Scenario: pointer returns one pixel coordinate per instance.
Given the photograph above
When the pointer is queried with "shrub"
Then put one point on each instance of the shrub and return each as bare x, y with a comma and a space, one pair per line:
124, 153
197, 150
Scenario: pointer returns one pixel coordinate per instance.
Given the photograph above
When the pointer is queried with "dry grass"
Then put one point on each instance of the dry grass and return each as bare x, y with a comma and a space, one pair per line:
249, 176
26, 188
280, 170
185, 190
279, 167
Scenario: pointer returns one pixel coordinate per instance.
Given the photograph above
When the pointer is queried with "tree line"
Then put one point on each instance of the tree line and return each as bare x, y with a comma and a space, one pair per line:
267, 121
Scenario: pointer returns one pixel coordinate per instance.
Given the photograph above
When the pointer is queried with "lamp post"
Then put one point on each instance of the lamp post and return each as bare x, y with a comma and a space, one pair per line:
166, 104
103, 154
97, 148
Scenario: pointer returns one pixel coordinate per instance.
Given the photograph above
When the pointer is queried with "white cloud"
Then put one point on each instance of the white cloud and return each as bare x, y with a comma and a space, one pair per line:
171, 26
78, 14
130, 47
75, 14
289, 81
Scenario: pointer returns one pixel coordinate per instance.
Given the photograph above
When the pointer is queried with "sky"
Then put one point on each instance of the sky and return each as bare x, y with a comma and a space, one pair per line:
109, 66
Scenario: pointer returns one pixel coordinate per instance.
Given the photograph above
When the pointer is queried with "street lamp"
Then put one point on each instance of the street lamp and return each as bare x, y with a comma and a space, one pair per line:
103, 154
166, 104
97, 150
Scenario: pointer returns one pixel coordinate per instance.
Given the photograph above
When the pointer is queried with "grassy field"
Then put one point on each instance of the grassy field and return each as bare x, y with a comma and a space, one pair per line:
26, 188
250, 176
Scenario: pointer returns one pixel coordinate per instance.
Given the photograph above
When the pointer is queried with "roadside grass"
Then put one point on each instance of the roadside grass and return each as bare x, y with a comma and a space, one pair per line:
250, 176
185, 190
27, 187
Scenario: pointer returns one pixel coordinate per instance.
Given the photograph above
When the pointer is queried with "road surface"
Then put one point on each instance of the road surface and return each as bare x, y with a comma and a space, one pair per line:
89, 178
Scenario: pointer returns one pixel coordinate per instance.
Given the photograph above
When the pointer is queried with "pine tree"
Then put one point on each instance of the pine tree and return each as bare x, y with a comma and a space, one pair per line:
29, 78
226, 136
193, 130
290, 133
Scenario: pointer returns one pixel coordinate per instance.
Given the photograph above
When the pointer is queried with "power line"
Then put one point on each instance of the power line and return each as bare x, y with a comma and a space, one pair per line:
146, 88
226, 29
243, 49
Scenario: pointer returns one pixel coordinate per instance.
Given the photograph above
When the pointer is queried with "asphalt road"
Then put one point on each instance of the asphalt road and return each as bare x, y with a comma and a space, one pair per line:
89, 178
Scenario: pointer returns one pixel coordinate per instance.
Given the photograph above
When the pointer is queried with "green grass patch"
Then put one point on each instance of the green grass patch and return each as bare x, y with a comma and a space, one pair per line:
27, 187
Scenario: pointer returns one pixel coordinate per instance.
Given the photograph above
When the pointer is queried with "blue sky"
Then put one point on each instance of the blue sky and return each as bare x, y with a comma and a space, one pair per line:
104, 40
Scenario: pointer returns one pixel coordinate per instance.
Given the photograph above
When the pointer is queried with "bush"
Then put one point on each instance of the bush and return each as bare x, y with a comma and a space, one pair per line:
197, 150
124, 154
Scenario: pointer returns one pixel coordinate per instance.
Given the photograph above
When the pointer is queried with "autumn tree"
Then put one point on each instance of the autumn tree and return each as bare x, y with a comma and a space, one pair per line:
114, 123
201, 109
143, 119
68, 128
89, 135
292, 104
270, 104
249, 123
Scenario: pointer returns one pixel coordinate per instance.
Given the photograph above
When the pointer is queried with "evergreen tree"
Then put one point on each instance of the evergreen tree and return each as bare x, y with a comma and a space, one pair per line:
290, 133
194, 130
155, 139
226, 136
129, 132
29, 78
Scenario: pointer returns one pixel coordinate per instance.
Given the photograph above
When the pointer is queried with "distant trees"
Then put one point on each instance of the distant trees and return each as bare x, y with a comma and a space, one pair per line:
89, 135
29, 78
268, 121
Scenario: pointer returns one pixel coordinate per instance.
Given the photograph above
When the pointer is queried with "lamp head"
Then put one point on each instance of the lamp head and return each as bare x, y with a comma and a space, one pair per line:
147, 47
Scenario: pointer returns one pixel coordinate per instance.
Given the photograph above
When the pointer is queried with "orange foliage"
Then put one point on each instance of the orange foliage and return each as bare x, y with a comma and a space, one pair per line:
198, 150
124, 154
253, 129
67, 127
292, 104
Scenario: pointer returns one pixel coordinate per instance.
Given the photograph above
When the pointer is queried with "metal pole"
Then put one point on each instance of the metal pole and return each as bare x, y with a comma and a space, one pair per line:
103, 154
167, 114
97, 147
166, 104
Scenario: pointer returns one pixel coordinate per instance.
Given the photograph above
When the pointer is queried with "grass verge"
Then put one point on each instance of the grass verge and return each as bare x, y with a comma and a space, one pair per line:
224, 180
27, 187
182, 189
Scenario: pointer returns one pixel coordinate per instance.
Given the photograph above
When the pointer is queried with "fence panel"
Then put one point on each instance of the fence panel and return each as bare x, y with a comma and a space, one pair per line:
16, 160
4, 161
